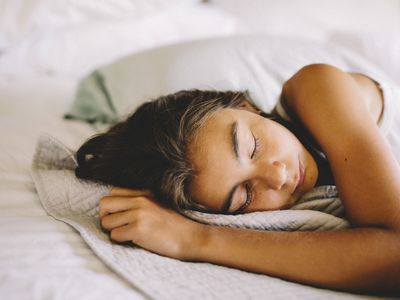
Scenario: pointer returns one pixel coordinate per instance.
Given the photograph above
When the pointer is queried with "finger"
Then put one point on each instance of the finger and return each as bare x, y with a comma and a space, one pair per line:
117, 191
123, 233
112, 221
109, 205
113, 204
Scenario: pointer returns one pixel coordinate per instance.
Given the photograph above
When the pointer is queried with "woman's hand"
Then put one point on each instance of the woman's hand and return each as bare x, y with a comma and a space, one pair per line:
133, 215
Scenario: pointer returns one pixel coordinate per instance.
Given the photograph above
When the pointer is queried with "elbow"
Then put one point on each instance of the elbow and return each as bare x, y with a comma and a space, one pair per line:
395, 223
383, 277
391, 283
392, 224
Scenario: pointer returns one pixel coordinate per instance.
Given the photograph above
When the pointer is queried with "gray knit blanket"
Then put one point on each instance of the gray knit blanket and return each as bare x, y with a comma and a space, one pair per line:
75, 202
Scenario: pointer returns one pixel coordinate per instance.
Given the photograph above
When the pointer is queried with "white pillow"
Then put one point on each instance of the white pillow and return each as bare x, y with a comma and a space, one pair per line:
259, 64
382, 49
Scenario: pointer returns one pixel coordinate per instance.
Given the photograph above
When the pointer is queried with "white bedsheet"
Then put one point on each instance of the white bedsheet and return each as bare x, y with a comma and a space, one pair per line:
41, 258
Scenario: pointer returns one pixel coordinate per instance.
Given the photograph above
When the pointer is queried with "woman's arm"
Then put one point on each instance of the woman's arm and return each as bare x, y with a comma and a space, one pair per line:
363, 260
329, 103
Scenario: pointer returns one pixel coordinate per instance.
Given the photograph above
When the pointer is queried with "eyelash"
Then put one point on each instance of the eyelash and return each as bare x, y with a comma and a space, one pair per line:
256, 145
249, 198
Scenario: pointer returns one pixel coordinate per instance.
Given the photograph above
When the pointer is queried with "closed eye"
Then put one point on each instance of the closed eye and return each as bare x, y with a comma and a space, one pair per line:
256, 145
249, 187
249, 199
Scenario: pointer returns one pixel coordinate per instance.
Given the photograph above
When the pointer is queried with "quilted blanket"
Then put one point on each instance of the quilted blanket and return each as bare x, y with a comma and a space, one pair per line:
74, 202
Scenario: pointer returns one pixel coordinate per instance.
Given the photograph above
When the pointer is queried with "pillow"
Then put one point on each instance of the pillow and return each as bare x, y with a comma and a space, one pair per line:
381, 48
259, 64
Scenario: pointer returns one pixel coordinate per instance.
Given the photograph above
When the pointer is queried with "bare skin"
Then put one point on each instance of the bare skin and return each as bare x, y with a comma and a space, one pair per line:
365, 172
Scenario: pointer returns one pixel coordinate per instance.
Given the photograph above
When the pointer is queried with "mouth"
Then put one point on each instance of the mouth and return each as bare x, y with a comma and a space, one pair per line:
300, 177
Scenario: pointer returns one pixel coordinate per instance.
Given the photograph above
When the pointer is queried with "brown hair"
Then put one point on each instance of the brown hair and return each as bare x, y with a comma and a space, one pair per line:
148, 150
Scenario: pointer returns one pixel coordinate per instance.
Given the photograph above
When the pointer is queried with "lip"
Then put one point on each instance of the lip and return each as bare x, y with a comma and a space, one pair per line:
300, 177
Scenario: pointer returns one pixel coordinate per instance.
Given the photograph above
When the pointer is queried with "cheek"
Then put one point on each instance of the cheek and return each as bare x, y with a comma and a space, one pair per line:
279, 143
269, 200
278, 138
284, 136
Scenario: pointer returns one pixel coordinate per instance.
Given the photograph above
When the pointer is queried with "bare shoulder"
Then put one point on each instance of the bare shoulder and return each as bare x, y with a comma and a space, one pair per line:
371, 95
330, 103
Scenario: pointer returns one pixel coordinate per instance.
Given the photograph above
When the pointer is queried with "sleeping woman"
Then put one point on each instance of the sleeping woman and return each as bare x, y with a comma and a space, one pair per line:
216, 152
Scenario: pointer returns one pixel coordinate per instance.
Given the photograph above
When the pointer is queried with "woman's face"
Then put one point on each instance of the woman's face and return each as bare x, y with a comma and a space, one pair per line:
245, 162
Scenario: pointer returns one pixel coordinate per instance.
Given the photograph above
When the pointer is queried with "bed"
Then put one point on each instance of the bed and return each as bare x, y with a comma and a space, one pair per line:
47, 46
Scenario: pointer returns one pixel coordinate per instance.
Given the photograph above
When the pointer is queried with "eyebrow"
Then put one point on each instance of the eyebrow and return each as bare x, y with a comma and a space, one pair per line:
234, 139
235, 147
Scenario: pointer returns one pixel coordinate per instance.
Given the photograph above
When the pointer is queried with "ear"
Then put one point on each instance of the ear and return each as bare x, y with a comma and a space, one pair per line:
247, 105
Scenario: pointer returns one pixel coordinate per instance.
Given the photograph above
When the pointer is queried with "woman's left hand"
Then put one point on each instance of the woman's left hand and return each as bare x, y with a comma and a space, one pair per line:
133, 215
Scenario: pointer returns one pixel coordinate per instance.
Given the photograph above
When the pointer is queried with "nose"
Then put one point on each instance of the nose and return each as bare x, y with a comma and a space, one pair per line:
273, 175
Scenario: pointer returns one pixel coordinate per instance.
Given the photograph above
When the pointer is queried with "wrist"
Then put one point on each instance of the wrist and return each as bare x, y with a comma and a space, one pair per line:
199, 235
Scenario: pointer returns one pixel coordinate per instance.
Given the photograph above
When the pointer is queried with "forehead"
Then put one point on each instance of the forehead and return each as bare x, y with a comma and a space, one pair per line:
212, 138
212, 156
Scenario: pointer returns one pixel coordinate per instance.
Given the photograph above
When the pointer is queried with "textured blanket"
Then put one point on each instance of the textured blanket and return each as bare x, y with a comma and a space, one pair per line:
74, 202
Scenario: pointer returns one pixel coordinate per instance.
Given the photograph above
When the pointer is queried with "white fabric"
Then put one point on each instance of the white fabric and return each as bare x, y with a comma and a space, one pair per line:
40, 258
20, 18
318, 19
371, 45
90, 41
257, 63
390, 120
76, 202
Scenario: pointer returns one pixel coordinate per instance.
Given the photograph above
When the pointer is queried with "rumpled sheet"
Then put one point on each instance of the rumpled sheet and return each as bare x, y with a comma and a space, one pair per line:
74, 202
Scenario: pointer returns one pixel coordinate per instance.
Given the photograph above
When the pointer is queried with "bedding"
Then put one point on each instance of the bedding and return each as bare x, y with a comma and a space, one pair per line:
19, 19
371, 46
75, 202
259, 64
46, 46
97, 36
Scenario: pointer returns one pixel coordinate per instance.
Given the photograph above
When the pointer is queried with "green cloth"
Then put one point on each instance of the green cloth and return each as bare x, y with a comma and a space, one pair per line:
93, 102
